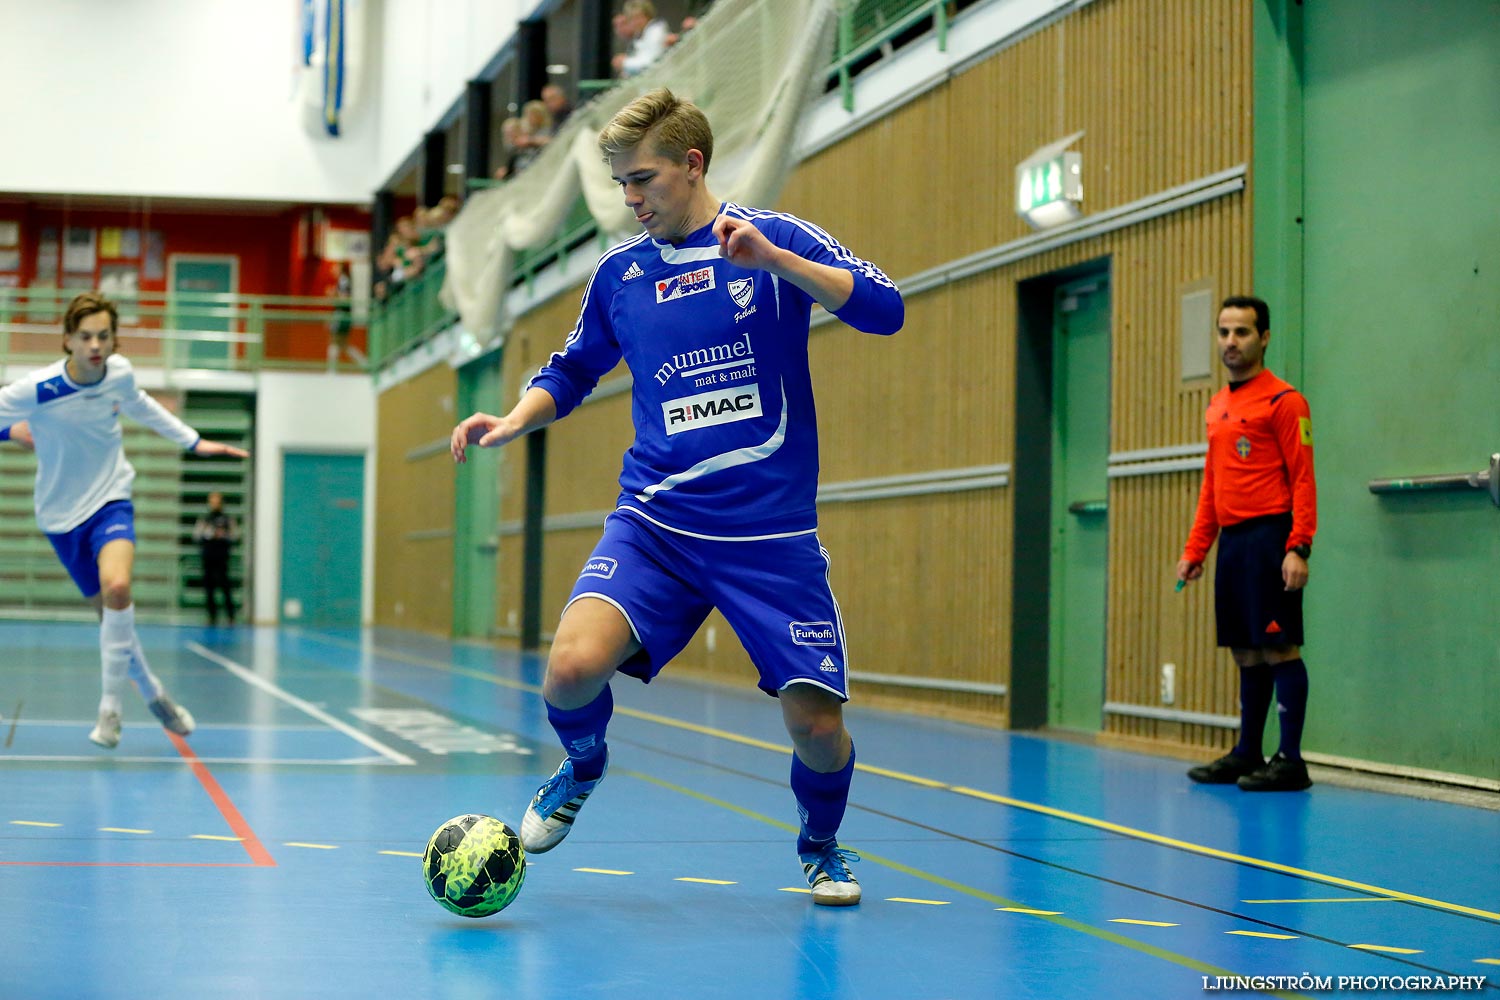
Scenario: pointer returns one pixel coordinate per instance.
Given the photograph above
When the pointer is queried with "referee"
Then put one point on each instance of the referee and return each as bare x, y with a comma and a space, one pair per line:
1259, 499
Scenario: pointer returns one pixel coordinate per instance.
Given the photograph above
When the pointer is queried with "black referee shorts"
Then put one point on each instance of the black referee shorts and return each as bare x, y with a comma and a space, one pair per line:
1252, 606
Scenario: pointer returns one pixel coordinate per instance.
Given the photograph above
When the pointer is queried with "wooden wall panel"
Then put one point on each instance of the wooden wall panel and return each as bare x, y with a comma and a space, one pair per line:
414, 576
1162, 90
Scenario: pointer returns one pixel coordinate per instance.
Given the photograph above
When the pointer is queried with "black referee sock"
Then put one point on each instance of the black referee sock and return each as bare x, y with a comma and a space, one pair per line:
1291, 705
1256, 689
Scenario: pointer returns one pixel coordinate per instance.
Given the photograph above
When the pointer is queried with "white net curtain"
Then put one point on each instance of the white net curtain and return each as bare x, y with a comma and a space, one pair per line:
751, 65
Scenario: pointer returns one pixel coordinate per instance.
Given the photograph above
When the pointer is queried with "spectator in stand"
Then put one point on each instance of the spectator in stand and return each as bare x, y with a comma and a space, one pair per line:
556, 101
540, 127
647, 37
338, 343
409, 248
513, 138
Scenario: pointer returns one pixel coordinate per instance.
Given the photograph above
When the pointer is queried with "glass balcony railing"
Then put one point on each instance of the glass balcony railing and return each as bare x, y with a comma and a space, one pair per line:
172, 330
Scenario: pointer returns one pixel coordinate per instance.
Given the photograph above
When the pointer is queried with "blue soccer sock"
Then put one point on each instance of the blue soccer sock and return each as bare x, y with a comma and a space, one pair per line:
821, 800
1291, 705
1257, 685
581, 731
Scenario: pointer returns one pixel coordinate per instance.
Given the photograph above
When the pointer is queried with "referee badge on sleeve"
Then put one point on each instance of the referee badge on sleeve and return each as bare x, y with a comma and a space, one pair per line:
1304, 425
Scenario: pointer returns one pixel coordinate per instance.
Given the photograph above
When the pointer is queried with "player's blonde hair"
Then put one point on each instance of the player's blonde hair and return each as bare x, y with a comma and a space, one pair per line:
82, 307
672, 125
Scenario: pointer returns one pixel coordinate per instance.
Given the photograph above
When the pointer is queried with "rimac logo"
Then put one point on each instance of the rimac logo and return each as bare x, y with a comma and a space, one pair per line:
828, 666
601, 566
742, 291
685, 284
633, 271
722, 406
813, 634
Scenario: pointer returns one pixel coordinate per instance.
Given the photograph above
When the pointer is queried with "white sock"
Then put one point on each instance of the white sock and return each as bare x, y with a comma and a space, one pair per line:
140, 671
116, 634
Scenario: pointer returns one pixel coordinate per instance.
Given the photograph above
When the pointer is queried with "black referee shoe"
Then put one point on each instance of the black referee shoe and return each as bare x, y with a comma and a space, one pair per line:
1226, 770
1280, 774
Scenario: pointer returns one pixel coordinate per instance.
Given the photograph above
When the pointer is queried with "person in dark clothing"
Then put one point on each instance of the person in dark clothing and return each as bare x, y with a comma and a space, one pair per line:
216, 532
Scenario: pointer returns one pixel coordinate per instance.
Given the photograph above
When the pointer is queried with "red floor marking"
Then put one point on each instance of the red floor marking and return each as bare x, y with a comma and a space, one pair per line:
128, 864
257, 851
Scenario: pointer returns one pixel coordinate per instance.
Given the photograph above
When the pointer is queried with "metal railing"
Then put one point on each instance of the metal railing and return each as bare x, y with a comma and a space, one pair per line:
411, 312
177, 330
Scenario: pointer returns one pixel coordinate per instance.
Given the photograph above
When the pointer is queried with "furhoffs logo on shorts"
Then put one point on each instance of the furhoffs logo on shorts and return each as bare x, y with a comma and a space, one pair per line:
814, 634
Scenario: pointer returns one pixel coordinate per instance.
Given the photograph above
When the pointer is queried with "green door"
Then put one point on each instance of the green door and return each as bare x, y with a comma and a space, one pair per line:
477, 499
1080, 491
192, 279
322, 539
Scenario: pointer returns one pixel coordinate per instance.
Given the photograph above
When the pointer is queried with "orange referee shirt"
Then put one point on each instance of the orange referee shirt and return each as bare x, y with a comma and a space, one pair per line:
1260, 461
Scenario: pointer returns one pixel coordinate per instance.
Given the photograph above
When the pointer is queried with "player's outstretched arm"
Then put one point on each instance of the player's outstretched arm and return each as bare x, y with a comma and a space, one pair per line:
536, 409
208, 448
20, 434
743, 245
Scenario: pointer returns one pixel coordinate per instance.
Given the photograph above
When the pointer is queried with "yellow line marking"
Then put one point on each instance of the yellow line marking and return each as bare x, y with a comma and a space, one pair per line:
1488, 961
403, 854
1263, 934
1345, 899
1143, 923
602, 871
924, 902
707, 881
1101, 933
31, 822
316, 847
913, 779
1213, 852
809, 892
214, 836
120, 829
1387, 948
1034, 913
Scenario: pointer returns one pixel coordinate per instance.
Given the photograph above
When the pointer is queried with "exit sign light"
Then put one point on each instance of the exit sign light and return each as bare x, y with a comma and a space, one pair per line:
1049, 189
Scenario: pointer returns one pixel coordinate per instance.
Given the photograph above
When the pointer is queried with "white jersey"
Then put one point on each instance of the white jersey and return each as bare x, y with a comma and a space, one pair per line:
80, 464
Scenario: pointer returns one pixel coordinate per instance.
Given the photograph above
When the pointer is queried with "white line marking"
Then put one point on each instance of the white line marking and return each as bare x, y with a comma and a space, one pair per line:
252, 678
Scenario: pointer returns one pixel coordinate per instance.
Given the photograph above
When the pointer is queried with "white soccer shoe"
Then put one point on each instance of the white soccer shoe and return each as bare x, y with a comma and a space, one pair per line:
107, 730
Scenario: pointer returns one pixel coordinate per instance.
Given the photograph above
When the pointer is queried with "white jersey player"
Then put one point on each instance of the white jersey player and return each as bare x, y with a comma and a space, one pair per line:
69, 412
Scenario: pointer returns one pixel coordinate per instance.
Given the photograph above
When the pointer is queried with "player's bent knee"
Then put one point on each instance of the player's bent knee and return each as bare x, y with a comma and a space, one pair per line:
115, 593
579, 662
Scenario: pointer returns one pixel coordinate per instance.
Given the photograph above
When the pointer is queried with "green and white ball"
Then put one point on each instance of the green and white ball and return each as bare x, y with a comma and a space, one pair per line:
474, 865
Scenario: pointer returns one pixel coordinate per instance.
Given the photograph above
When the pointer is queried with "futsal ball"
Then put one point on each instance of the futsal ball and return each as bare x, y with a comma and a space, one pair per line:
474, 865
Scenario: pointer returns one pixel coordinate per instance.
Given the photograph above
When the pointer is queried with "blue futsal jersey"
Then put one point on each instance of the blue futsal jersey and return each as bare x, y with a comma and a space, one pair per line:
726, 436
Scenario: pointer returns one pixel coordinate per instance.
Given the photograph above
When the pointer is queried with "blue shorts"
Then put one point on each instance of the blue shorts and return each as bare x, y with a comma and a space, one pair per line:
773, 592
79, 549
1252, 607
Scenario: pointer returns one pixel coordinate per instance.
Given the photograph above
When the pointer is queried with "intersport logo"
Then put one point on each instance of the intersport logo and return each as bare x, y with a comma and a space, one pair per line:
682, 285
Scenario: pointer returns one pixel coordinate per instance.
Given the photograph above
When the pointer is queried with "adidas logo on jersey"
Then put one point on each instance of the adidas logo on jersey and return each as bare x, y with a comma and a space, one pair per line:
633, 271
828, 666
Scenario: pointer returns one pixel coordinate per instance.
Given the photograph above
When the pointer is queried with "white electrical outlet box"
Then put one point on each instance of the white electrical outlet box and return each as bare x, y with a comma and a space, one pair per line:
1168, 683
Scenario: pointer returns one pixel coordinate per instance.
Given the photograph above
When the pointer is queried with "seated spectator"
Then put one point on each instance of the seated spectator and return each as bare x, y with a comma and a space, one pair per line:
540, 128
516, 148
647, 36
556, 102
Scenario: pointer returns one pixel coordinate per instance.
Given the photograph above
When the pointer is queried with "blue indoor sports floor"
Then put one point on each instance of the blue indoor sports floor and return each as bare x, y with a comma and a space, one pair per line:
275, 853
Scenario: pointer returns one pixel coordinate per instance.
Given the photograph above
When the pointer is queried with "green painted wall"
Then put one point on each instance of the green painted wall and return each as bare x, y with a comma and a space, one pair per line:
1386, 301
